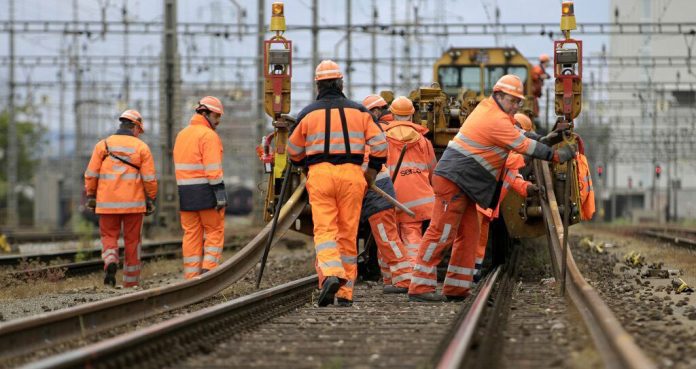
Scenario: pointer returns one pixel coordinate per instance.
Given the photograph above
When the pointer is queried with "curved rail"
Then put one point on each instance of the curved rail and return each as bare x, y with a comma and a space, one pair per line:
454, 354
24, 335
143, 346
615, 345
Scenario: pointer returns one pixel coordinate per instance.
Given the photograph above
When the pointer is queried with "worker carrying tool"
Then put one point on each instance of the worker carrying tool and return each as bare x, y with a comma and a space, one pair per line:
381, 215
412, 182
469, 174
539, 75
121, 186
512, 179
330, 140
202, 198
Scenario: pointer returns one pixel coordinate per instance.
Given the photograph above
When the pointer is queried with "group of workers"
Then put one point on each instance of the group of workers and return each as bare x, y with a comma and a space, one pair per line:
350, 148
121, 187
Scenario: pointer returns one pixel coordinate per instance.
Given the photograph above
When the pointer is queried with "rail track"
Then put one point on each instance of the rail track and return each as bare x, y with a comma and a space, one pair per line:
151, 250
284, 320
20, 237
677, 236
21, 336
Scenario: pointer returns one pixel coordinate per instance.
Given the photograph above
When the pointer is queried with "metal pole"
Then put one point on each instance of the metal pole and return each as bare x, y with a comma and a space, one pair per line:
169, 96
393, 48
12, 204
260, 116
373, 36
126, 70
614, 170
547, 109
315, 40
349, 48
77, 109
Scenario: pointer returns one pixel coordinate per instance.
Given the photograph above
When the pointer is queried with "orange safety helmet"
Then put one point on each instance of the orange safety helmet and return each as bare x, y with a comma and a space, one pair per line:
133, 116
544, 58
402, 105
511, 85
327, 69
523, 121
374, 101
211, 103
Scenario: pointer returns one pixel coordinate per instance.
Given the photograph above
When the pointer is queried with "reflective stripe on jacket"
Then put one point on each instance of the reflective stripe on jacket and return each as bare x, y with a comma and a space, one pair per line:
198, 165
475, 157
336, 130
587, 197
412, 183
513, 179
119, 187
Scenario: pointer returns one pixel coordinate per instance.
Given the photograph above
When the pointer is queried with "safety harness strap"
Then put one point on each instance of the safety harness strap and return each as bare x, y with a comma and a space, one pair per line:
124, 161
344, 125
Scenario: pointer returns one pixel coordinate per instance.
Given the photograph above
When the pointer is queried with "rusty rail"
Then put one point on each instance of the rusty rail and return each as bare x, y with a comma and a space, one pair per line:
615, 345
21, 336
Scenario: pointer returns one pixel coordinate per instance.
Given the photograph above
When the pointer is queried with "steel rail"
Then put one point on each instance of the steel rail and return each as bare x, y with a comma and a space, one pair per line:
141, 347
673, 238
454, 354
95, 252
21, 336
616, 346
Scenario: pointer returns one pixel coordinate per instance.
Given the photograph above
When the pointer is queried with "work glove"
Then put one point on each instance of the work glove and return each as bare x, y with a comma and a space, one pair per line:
565, 153
220, 197
553, 138
91, 203
370, 175
150, 206
532, 189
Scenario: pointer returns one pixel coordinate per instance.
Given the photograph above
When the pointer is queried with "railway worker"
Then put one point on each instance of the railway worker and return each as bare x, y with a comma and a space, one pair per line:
121, 186
469, 174
202, 199
413, 188
512, 179
330, 140
381, 215
539, 75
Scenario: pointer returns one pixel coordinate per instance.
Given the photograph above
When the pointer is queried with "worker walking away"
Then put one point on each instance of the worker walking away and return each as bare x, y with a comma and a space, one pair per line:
330, 140
539, 75
381, 215
121, 186
512, 179
469, 174
412, 182
202, 199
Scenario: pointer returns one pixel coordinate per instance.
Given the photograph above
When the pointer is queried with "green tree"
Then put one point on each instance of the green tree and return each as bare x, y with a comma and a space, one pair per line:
30, 139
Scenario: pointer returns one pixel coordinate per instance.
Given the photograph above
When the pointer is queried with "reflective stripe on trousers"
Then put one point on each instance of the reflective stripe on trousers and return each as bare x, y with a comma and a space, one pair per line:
454, 214
412, 234
201, 252
393, 251
110, 226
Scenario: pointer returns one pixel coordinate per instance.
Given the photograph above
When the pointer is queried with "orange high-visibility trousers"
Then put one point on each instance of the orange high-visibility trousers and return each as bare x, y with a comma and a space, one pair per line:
411, 234
110, 230
204, 237
454, 214
483, 242
384, 268
335, 194
391, 249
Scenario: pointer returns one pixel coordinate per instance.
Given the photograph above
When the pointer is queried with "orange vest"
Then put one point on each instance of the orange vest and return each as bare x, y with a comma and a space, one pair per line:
412, 183
587, 198
198, 165
475, 157
119, 187
336, 130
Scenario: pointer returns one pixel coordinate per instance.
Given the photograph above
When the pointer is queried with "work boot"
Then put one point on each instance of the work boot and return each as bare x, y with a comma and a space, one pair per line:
341, 302
328, 291
110, 274
203, 271
426, 297
388, 289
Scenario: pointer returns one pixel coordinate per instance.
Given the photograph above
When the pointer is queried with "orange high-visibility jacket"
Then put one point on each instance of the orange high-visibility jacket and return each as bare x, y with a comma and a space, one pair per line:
119, 187
513, 179
412, 183
474, 159
198, 165
336, 130
587, 197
